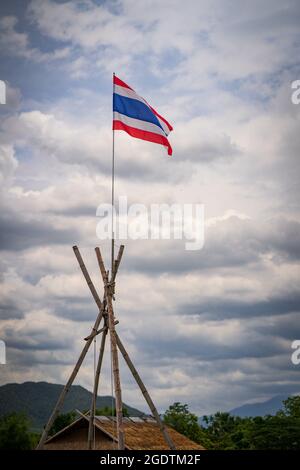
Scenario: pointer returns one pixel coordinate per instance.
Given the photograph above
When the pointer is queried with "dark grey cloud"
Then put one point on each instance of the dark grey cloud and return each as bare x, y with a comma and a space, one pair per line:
207, 349
231, 243
34, 339
22, 360
287, 327
82, 310
217, 309
284, 238
81, 210
171, 257
244, 62
18, 233
207, 151
10, 311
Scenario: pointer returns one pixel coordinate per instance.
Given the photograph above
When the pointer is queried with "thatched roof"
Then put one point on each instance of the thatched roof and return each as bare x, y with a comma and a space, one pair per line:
140, 433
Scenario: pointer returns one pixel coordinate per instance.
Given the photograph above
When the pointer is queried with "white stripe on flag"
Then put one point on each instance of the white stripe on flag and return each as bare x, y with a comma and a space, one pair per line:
163, 125
122, 91
138, 124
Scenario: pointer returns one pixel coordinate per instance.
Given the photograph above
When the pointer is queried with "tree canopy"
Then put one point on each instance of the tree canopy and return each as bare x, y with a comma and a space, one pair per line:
15, 433
223, 431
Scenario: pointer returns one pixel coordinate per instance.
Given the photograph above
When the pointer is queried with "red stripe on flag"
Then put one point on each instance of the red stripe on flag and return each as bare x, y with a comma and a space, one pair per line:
144, 135
118, 81
163, 119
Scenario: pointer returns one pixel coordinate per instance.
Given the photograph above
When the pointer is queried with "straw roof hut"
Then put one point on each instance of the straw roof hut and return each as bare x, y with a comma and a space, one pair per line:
140, 434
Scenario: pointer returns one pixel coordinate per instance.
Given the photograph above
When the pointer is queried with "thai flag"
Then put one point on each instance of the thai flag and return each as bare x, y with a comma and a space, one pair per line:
135, 116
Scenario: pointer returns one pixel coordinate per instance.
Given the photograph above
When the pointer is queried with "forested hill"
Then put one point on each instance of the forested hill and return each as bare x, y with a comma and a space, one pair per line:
37, 399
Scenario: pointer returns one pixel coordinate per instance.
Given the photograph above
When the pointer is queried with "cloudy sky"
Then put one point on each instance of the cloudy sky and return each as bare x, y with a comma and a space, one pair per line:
211, 328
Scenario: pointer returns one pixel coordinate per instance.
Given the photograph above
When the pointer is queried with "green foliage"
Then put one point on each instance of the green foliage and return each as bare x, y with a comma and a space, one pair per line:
275, 432
292, 406
15, 433
37, 400
223, 431
178, 417
108, 411
220, 431
63, 420
281, 431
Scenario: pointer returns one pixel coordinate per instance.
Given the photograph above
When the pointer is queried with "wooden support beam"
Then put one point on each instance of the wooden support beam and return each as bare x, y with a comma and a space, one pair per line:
145, 393
104, 274
95, 390
117, 263
71, 379
83, 353
109, 291
105, 309
98, 332
87, 277
116, 375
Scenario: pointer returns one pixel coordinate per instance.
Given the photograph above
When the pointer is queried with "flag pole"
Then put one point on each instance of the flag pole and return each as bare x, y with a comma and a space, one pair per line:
109, 292
113, 190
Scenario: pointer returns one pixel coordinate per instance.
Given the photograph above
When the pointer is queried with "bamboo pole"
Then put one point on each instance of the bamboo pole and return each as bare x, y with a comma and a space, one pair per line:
145, 393
109, 292
117, 263
99, 331
83, 353
66, 388
87, 277
95, 391
116, 374
101, 264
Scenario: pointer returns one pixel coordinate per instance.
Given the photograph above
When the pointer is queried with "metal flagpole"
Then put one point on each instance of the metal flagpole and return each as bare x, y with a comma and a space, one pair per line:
109, 290
113, 190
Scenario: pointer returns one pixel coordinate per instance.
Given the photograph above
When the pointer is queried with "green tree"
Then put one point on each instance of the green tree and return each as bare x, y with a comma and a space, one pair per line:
15, 432
292, 406
226, 431
108, 411
275, 432
63, 420
281, 431
180, 418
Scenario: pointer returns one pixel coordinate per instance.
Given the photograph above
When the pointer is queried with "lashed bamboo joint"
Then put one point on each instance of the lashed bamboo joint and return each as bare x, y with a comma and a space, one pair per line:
106, 313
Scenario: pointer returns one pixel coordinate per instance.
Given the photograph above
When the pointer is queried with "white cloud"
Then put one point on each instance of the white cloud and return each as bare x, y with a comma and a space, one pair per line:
209, 38
193, 324
15, 43
8, 164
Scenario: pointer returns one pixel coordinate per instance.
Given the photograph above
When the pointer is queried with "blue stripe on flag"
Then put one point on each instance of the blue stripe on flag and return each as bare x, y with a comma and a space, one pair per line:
134, 109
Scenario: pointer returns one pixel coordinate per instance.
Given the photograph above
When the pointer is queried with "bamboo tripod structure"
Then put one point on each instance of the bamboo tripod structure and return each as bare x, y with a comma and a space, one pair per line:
105, 313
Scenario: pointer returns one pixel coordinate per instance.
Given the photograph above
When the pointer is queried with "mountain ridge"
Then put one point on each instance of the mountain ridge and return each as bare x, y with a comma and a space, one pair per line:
267, 407
251, 410
37, 400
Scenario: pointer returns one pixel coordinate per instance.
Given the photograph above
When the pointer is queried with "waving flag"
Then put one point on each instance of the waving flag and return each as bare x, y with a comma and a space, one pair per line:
135, 116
